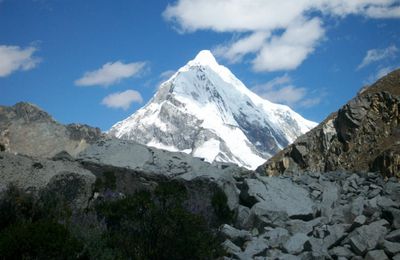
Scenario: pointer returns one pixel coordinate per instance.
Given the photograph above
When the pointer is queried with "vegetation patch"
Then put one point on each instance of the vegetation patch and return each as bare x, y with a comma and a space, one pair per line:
140, 226
106, 181
219, 201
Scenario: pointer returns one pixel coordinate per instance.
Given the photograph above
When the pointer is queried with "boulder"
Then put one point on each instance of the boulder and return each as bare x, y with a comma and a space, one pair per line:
393, 236
281, 195
366, 238
336, 234
376, 255
256, 247
391, 248
231, 248
234, 234
305, 227
64, 178
341, 251
295, 244
329, 198
276, 237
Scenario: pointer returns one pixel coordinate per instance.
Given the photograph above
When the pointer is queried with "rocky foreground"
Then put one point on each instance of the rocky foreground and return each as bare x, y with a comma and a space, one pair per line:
334, 215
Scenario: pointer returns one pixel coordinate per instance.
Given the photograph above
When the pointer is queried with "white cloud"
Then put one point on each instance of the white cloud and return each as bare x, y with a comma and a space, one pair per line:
167, 74
383, 12
281, 90
375, 55
122, 99
235, 51
110, 73
288, 51
13, 58
268, 26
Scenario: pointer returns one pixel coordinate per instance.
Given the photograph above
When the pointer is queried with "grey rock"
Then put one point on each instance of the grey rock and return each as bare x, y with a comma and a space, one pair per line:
257, 246
341, 251
357, 206
393, 215
277, 237
329, 198
282, 195
66, 178
262, 216
231, 248
376, 255
336, 234
317, 247
393, 236
373, 193
391, 248
243, 214
295, 244
26, 129
234, 234
154, 162
300, 226
273, 253
366, 237
358, 221
288, 257
393, 190
385, 202
63, 156
396, 257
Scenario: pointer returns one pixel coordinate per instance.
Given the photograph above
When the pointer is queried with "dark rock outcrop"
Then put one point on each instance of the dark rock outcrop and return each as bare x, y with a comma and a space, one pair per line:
364, 135
26, 129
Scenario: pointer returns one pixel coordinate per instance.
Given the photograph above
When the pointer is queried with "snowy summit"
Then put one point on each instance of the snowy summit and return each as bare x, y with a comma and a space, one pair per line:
205, 111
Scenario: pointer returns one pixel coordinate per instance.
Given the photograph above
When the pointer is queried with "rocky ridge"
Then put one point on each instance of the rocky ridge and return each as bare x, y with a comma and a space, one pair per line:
27, 129
364, 135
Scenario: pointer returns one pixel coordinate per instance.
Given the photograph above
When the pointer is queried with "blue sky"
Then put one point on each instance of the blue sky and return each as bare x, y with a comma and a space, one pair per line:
96, 62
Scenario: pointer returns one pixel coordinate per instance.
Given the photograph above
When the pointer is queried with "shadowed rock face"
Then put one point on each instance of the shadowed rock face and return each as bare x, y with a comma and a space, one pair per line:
364, 135
65, 178
26, 129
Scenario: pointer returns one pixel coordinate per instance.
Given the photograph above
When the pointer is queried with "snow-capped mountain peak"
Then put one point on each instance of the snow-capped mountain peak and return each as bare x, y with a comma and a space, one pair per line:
205, 58
204, 110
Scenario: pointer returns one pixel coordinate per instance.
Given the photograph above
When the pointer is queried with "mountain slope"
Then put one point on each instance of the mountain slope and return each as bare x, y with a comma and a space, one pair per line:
204, 110
364, 135
26, 129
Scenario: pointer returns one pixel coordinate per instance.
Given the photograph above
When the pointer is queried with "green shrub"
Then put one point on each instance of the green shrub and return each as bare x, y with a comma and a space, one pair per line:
16, 205
39, 240
107, 181
156, 226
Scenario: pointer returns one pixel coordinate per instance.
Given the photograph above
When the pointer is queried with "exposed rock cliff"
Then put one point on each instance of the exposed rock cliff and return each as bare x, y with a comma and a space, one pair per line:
26, 129
364, 135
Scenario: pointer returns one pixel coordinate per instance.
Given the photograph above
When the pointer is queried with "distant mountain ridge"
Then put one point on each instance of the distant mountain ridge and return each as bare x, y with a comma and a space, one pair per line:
27, 129
205, 111
362, 136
